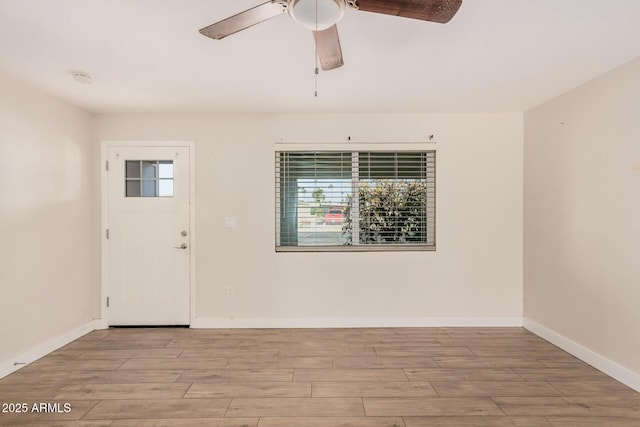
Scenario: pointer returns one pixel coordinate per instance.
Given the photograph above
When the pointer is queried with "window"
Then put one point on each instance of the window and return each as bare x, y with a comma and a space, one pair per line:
378, 200
149, 178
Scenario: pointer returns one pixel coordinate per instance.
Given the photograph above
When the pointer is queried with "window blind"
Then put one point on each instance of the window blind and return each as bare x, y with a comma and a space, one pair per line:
355, 200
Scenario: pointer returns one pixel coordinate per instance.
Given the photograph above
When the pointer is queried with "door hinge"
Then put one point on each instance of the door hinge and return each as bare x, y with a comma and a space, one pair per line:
106, 165
107, 233
107, 301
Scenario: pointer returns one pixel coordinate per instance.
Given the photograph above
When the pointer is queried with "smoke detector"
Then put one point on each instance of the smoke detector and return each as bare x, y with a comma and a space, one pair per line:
81, 77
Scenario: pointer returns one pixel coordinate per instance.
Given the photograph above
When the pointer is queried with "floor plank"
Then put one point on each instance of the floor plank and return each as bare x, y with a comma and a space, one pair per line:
543, 351
189, 422
451, 374
60, 423
421, 350
338, 374
603, 406
593, 422
77, 365
593, 387
217, 375
487, 362
494, 388
554, 374
112, 344
249, 389
372, 389
384, 362
172, 364
20, 392
324, 350
471, 406
150, 409
116, 391
318, 362
202, 353
72, 377
136, 353
332, 422
296, 407
482, 421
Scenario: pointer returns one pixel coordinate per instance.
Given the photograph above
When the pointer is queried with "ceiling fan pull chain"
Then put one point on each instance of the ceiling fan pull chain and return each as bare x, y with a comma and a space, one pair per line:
316, 54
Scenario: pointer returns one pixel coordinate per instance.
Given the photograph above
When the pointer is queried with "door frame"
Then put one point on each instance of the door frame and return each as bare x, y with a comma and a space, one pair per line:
104, 220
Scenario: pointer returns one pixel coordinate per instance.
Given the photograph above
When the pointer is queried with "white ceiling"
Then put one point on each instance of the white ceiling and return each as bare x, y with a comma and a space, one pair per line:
147, 56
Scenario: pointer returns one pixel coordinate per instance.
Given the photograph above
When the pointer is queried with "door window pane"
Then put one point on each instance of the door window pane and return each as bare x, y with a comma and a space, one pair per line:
165, 188
149, 178
133, 189
165, 169
149, 169
149, 188
133, 168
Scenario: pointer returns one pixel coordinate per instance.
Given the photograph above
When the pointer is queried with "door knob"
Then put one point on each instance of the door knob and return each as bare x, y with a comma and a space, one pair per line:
182, 246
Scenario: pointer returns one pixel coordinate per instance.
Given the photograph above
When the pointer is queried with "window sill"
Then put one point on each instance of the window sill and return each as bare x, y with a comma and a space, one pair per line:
358, 248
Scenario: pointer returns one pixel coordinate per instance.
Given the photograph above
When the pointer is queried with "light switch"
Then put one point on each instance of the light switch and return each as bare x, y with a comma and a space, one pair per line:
230, 222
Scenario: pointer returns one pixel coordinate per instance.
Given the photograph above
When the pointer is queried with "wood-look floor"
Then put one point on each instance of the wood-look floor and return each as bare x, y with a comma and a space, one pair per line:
409, 377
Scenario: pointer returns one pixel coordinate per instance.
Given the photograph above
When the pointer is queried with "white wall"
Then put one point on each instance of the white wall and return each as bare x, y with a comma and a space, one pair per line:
474, 276
48, 276
582, 218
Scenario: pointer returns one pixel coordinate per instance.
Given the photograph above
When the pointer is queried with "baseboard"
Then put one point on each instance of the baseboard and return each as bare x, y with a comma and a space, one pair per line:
348, 322
9, 366
609, 367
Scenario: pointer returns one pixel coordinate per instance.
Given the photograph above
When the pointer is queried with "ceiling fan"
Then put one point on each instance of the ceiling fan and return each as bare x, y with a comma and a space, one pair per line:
321, 17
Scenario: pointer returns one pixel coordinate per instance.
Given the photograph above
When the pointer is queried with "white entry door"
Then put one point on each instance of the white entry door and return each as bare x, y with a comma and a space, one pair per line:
148, 236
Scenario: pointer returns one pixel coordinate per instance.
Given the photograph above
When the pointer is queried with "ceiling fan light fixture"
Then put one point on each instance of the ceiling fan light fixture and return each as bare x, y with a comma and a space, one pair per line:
316, 15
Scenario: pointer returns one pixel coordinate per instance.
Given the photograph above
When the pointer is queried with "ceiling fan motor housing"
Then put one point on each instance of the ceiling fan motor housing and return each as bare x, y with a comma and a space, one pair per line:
316, 15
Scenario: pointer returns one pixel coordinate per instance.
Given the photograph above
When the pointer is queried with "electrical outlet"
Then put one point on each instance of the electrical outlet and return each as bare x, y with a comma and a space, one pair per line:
230, 291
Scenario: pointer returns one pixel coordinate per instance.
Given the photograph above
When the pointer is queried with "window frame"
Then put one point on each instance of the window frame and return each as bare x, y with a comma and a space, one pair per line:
355, 149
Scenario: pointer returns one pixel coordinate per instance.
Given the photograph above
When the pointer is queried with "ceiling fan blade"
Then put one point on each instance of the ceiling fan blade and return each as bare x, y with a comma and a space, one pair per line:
427, 10
329, 50
243, 20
